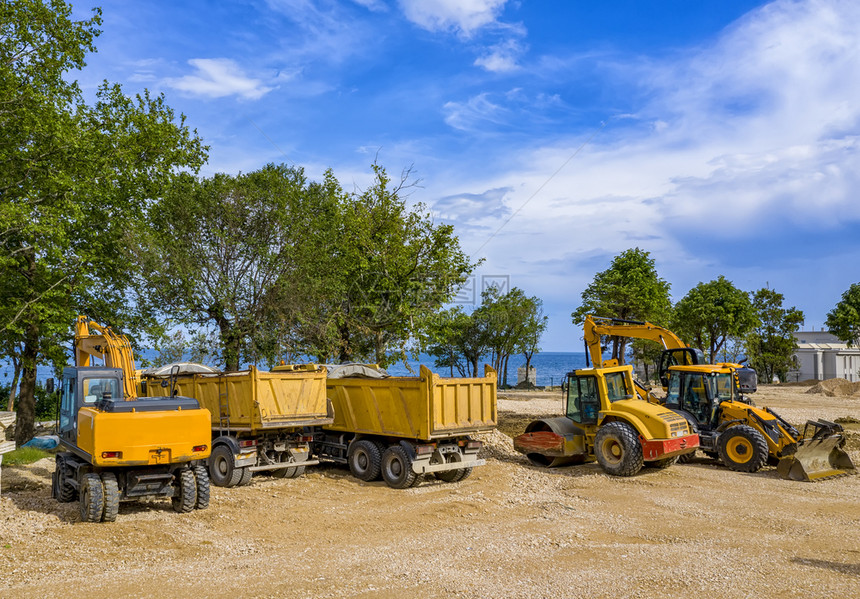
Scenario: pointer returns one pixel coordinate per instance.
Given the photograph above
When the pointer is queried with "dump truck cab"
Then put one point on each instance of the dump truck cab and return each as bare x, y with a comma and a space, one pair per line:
605, 421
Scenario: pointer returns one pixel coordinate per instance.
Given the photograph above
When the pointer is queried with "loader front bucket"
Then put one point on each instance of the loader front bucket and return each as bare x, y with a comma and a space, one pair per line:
817, 458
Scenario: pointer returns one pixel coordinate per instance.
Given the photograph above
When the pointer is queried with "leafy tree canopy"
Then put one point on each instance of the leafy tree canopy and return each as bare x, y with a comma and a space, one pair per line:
771, 342
844, 320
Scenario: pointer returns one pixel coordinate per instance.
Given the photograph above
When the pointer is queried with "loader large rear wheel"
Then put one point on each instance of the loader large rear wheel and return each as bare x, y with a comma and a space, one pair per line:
92, 498
397, 468
222, 467
365, 460
743, 449
617, 448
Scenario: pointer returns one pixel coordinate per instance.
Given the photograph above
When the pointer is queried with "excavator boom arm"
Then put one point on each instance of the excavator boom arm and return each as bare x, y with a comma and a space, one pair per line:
595, 326
93, 339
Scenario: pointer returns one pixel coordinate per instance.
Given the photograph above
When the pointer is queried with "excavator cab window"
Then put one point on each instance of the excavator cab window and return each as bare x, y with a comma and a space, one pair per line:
583, 402
68, 407
96, 389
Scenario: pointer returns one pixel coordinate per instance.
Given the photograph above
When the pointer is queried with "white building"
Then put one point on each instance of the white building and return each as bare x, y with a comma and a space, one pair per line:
822, 355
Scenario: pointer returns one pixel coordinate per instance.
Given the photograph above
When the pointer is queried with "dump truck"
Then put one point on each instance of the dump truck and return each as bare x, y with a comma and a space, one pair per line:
714, 398
260, 420
606, 422
118, 446
401, 428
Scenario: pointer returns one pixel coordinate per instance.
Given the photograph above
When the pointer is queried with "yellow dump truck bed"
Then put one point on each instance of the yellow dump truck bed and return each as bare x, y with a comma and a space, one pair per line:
255, 400
424, 407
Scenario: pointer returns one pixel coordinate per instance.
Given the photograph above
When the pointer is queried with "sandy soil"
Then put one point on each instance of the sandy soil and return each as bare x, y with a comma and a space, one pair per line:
511, 530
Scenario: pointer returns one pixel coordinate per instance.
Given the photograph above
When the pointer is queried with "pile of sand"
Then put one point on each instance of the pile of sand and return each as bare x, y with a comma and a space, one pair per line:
837, 388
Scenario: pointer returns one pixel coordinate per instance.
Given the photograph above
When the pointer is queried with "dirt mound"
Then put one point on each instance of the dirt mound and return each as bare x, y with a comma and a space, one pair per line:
837, 388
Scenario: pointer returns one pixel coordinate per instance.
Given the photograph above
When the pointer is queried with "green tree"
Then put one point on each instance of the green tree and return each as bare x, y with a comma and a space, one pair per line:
771, 342
630, 289
713, 312
844, 320
457, 340
219, 248
390, 271
74, 180
534, 326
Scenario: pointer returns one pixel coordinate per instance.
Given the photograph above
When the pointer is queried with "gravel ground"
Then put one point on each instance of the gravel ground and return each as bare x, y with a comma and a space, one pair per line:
510, 530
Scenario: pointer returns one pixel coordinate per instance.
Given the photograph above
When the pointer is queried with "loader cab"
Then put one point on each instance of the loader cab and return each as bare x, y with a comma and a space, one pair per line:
699, 392
686, 356
85, 387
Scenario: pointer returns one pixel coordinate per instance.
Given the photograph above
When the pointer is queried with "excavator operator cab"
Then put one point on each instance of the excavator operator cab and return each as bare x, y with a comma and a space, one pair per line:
685, 356
85, 387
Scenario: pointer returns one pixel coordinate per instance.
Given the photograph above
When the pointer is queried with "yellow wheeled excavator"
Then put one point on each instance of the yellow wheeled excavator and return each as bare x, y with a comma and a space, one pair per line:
714, 400
119, 447
604, 421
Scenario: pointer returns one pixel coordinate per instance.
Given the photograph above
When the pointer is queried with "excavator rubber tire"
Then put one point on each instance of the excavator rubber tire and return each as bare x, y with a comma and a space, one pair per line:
365, 460
111, 489
201, 477
397, 468
186, 491
742, 449
62, 489
222, 469
617, 448
92, 498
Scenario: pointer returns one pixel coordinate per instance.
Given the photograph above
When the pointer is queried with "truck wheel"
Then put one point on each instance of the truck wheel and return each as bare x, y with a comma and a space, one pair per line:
60, 487
246, 476
397, 468
743, 449
111, 489
365, 460
617, 448
185, 496
222, 468
201, 477
454, 476
92, 498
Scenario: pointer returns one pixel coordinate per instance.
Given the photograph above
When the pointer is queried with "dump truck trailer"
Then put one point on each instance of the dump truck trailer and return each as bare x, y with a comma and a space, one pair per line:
260, 420
400, 428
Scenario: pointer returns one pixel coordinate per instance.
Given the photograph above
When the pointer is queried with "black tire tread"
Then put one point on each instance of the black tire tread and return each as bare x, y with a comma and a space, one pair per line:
760, 451
406, 478
111, 495
186, 491
65, 492
233, 475
632, 459
201, 478
374, 458
92, 499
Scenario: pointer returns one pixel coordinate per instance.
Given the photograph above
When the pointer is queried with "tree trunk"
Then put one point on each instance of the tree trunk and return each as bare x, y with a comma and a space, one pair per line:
528, 367
13, 390
344, 354
507, 357
25, 427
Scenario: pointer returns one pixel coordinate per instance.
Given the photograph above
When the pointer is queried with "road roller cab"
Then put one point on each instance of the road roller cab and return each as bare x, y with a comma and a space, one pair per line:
605, 422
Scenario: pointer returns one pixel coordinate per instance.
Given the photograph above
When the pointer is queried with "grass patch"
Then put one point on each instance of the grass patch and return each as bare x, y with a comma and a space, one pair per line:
24, 455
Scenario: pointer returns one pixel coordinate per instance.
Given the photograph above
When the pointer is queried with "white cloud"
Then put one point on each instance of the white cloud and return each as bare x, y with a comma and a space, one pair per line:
501, 58
373, 5
217, 78
461, 16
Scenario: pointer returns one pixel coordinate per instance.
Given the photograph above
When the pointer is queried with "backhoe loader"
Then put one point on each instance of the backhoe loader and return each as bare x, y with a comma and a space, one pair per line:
713, 398
605, 422
119, 447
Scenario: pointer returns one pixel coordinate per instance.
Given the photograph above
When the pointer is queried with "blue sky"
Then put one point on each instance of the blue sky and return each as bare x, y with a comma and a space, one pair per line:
720, 136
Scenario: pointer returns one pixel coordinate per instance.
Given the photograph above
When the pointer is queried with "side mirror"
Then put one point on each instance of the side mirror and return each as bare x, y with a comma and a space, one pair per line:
49, 385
